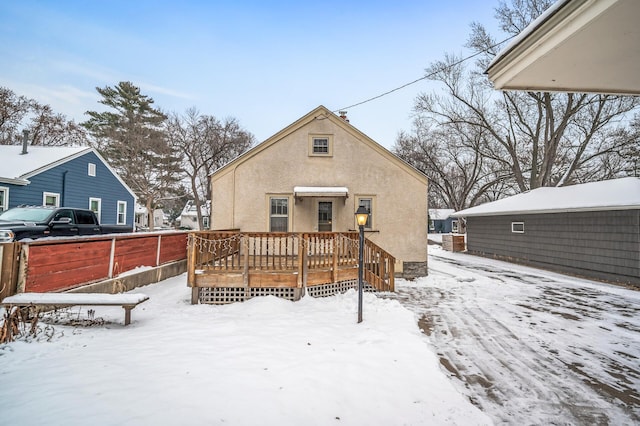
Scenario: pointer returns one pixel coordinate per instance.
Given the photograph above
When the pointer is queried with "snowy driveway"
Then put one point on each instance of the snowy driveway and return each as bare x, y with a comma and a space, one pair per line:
530, 346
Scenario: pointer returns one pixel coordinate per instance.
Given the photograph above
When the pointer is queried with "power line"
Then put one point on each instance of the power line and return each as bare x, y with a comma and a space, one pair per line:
424, 77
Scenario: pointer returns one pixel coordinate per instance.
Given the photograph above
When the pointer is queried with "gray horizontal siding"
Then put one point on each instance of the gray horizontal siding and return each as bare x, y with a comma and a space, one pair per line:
603, 245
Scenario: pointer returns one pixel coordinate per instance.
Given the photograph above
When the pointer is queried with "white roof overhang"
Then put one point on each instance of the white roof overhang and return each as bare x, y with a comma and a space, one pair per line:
320, 191
17, 181
575, 46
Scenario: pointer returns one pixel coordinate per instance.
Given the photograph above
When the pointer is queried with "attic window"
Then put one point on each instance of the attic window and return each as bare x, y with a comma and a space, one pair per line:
321, 145
517, 227
92, 169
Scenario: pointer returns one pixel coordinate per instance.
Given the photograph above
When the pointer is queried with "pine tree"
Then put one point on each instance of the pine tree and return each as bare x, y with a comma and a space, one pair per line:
131, 137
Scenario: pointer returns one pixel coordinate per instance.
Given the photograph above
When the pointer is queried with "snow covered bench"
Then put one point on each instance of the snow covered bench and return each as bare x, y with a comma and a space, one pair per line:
60, 300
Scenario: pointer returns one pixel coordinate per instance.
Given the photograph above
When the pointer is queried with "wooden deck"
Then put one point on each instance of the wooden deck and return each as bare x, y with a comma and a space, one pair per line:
283, 260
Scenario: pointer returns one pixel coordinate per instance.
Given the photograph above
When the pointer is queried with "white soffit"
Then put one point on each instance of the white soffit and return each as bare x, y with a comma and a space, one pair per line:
576, 46
320, 191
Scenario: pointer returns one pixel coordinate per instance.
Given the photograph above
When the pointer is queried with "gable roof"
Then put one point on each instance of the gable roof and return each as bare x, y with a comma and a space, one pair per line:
17, 168
574, 46
615, 194
322, 112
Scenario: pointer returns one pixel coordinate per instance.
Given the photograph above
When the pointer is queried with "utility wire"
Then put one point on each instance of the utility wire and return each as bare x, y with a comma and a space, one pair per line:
425, 77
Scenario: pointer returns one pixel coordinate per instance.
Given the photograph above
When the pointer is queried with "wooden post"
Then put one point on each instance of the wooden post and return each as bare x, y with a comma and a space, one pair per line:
127, 314
244, 244
9, 265
302, 261
158, 250
23, 269
383, 268
334, 269
191, 261
112, 257
301, 251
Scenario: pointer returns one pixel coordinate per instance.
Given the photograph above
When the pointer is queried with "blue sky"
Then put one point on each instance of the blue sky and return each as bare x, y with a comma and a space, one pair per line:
265, 63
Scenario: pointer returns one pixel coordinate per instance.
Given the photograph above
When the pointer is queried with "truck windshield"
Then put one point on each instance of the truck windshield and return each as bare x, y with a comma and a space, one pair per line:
25, 214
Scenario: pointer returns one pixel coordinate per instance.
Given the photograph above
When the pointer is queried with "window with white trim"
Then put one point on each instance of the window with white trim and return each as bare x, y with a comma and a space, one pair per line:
122, 213
278, 214
517, 227
321, 145
4, 199
51, 199
91, 169
95, 205
367, 203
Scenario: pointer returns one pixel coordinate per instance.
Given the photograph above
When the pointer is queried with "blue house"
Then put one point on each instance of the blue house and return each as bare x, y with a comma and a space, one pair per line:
64, 177
441, 222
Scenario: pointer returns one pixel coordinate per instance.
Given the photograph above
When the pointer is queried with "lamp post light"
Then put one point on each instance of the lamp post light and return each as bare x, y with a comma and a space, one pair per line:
362, 214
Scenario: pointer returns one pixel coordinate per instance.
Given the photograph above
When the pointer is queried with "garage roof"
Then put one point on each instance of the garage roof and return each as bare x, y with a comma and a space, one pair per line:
616, 194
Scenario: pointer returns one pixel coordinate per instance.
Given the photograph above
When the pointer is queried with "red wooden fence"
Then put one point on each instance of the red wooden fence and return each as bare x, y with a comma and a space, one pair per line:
53, 265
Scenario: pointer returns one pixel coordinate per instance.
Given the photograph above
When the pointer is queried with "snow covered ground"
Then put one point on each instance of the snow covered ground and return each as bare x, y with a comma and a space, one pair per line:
263, 362
530, 346
525, 346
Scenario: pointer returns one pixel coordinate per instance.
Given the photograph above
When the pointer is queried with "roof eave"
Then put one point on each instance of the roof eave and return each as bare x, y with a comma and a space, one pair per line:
517, 55
16, 181
543, 211
325, 113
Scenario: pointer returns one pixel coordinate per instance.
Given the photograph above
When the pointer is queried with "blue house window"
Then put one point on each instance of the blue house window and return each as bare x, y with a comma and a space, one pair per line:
122, 212
51, 199
4, 199
95, 204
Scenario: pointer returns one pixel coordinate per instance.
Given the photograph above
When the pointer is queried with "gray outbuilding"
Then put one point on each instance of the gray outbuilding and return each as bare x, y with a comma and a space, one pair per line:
590, 230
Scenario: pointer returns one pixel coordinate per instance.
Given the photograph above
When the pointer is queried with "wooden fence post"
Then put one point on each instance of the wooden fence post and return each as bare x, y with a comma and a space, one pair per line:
9, 265
112, 257
23, 269
158, 250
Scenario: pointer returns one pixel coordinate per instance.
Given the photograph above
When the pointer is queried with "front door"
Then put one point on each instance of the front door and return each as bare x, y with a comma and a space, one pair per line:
325, 209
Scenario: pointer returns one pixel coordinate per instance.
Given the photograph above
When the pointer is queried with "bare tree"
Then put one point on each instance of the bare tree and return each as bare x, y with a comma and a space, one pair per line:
49, 128
13, 110
205, 144
527, 139
45, 126
459, 176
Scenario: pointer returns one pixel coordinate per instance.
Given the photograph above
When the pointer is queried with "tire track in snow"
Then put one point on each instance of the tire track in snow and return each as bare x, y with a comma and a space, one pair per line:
505, 354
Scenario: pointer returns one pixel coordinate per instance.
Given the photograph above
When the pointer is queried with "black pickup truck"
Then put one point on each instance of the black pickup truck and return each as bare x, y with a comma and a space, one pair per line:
38, 222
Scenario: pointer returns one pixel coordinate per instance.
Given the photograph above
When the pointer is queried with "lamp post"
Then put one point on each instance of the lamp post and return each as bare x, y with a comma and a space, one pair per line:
362, 214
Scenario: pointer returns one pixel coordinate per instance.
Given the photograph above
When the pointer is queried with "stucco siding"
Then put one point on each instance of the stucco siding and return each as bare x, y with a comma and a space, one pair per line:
240, 194
602, 244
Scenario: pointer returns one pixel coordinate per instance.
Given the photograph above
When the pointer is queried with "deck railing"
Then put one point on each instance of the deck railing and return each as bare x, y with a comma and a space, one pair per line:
330, 255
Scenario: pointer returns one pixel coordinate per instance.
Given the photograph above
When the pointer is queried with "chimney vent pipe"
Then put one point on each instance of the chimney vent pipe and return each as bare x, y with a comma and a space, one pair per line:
25, 141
